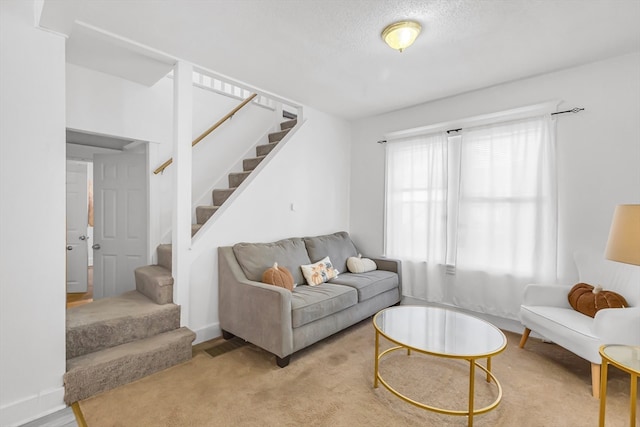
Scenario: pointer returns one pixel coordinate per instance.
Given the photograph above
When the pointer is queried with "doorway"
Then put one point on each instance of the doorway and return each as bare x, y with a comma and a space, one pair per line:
103, 221
79, 205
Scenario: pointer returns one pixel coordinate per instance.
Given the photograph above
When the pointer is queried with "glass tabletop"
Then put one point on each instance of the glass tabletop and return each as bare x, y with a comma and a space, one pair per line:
627, 356
440, 331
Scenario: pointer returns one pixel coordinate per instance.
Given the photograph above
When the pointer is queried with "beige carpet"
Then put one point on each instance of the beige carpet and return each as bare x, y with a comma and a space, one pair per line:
330, 384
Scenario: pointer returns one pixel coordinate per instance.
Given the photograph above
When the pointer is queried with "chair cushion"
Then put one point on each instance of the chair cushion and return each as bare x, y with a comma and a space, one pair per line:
337, 246
564, 326
310, 303
369, 284
255, 258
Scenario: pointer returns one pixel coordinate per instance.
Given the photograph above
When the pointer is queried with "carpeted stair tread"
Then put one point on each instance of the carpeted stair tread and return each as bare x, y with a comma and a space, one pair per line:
164, 256
288, 124
236, 178
251, 163
155, 282
112, 321
264, 149
195, 228
203, 213
277, 136
104, 370
220, 195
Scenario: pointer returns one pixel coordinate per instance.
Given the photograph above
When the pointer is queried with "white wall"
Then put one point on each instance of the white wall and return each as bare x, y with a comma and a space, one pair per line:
598, 149
105, 104
32, 216
312, 172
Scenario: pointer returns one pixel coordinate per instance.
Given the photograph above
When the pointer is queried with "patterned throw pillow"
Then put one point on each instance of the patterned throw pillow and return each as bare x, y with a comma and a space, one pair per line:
319, 272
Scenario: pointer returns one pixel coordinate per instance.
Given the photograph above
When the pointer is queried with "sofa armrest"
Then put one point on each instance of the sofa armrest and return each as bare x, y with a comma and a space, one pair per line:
393, 265
546, 295
618, 325
254, 311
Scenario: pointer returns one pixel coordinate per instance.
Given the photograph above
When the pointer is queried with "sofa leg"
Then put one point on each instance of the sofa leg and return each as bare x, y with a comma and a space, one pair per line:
525, 337
227, 335
595, 380
283, 362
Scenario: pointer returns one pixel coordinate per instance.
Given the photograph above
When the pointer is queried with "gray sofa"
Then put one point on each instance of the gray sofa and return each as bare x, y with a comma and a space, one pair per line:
282, 321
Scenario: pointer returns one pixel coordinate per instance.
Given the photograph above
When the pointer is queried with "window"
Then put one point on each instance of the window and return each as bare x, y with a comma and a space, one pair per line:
478, 204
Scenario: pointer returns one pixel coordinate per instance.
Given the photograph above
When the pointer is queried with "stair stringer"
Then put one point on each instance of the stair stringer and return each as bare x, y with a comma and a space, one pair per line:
201, 234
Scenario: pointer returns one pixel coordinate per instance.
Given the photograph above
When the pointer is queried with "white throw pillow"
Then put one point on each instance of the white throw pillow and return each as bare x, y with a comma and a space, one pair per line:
360, 265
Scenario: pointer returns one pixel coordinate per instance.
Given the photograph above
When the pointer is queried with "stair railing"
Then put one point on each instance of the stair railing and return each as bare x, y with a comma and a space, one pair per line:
230, 114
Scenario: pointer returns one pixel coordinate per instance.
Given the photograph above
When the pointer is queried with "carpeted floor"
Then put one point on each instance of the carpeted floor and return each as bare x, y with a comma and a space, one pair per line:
331, 384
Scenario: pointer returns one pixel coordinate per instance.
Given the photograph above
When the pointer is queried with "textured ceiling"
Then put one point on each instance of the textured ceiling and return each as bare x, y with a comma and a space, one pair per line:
328, 54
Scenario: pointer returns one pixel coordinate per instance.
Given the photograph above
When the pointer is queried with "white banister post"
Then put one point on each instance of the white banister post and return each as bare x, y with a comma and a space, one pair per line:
278, 112
181, 223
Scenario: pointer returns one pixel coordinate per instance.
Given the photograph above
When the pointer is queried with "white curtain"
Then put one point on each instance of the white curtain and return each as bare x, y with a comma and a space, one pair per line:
490, 229
416, 208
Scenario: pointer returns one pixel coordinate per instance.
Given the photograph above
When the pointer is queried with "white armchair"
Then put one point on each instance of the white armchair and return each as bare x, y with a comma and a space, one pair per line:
546, 310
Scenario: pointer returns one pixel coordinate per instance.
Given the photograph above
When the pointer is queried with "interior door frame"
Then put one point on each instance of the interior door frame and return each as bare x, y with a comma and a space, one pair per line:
83, 150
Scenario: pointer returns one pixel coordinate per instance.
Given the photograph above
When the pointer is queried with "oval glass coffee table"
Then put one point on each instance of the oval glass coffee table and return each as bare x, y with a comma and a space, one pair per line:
444, 333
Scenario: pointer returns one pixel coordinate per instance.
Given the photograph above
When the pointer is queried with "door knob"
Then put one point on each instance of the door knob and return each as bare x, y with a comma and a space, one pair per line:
83, 237
95, 246
69, 248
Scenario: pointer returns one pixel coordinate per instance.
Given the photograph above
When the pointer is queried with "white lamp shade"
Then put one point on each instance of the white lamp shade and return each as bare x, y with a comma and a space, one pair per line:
624, 237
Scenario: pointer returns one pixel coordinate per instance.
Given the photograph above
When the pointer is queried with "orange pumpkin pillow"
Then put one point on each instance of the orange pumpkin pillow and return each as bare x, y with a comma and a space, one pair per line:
588, 300
278, 276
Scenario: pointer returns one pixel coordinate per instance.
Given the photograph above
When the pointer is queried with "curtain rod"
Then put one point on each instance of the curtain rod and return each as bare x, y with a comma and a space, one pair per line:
573, 110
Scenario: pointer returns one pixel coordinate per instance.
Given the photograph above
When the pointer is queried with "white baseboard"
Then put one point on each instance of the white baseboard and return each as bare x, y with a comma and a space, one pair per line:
32, 407
207, 333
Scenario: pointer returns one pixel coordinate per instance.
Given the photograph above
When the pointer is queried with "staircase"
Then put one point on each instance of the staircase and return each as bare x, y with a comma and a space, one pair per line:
219, 196
114, 341
117, 340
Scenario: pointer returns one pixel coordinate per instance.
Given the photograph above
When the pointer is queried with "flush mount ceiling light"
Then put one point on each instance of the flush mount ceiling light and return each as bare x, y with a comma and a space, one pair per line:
401, 35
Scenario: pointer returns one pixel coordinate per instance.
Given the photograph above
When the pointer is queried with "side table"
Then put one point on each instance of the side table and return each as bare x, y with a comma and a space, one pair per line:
627, 359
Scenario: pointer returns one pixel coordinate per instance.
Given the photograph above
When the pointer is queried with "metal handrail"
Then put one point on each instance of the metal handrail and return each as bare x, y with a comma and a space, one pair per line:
163, 166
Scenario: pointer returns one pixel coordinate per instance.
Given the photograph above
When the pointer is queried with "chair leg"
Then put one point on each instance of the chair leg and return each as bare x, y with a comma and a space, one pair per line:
525, 337
595, 380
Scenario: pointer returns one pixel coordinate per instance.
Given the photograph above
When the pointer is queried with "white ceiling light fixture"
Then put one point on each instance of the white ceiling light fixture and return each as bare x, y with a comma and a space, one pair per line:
401, 35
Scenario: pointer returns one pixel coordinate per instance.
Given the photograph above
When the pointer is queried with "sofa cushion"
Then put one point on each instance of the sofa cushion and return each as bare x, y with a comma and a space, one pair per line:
255, 258
310, 303
337, 246
368, 284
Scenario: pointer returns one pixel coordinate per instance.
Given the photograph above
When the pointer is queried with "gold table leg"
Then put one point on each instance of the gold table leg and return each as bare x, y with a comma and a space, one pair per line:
634, 396
488, 369
472, 371
603, 390
375, 373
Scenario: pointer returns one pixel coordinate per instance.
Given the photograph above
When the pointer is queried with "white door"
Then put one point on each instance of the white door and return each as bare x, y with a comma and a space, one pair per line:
77, 219
120, 221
